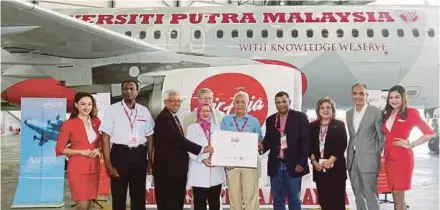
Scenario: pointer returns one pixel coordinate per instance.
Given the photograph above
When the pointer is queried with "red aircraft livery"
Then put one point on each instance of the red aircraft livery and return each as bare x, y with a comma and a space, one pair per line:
246, 18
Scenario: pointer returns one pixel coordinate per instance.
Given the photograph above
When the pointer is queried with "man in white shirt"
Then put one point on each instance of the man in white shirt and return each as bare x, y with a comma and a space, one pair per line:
205, 95
128, 126
364, 150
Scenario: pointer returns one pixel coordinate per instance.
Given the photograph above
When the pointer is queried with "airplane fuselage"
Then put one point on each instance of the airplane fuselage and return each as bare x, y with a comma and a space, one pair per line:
335, 47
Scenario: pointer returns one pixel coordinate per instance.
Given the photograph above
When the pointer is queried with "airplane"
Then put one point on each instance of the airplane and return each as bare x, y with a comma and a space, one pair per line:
94, 49
46, 132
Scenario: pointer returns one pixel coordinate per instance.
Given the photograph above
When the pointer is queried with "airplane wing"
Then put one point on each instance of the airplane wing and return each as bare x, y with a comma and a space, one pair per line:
27, 27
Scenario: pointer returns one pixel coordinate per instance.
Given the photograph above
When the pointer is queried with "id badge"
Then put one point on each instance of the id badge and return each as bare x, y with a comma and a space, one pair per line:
133, 140
283, 142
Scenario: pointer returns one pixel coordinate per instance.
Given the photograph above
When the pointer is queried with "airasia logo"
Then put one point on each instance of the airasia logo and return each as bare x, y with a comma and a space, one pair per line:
226, 85
409, 16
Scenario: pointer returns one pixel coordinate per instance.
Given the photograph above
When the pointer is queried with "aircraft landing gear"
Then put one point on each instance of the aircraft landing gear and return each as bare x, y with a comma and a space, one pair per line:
433, 144
433, 115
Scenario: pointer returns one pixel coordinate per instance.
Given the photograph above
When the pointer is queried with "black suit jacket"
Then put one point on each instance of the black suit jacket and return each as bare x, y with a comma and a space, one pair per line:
298, 144
171, 147
335, 144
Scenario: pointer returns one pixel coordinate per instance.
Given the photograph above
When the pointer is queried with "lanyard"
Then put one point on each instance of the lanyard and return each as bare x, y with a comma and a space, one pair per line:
129, 119
242, 127
276, 122
323, 132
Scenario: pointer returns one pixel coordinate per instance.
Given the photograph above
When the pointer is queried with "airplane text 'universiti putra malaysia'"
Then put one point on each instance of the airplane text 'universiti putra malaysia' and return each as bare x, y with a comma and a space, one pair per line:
245, 18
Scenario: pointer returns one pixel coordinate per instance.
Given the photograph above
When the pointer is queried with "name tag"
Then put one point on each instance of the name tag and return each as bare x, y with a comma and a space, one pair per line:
133, 140
283, 142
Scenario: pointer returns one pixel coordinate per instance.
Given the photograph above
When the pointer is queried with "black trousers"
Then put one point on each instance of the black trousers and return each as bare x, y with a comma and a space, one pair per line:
169, 191
212, 195
331, 193
131, 165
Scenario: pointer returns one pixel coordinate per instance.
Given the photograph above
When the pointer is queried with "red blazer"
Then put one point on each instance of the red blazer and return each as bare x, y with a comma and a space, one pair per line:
402, 129
73, 131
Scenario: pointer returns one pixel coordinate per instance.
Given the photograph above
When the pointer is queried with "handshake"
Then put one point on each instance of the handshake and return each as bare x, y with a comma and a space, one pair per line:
208, 149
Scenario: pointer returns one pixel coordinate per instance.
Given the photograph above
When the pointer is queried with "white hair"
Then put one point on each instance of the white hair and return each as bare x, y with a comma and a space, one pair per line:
167, 94
203, 91
242, 93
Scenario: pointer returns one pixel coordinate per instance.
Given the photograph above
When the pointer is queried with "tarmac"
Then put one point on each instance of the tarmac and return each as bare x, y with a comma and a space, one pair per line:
423, 196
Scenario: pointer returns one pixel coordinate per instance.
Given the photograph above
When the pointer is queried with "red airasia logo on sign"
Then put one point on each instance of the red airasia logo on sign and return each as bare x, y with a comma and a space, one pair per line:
226, 85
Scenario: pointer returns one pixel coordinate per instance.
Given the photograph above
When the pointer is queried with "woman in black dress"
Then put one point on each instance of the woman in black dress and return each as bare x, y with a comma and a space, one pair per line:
328, 145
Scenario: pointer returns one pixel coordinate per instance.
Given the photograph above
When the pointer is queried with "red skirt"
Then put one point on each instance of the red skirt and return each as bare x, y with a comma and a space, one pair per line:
399, 172
83, 187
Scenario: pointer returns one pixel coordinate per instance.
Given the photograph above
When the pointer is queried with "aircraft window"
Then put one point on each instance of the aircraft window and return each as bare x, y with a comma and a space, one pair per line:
173, 34
370, 32
128, 33
234, 34
264, 33
310, 33
220, 34
294, 33
324, 33
431, 32
385, 32
355, 33
340, 33
142, 35
157, 34
280, 33
197, 34
249, 33
400, 32
416, 32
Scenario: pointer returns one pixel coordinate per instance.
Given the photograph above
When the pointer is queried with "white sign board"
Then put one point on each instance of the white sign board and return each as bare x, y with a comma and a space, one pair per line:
236, 149
377, 98
102, 103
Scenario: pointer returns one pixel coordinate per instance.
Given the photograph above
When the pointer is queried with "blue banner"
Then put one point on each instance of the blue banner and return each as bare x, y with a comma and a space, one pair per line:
41, 179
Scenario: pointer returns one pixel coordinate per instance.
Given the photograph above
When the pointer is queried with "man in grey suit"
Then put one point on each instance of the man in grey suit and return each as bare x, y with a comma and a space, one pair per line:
365, 146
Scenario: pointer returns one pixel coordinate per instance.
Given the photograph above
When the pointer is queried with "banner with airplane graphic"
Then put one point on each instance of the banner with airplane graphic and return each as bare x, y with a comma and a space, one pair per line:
41, 178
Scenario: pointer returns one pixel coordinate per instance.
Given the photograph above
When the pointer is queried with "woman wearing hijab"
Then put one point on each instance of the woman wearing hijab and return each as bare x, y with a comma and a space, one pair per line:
206, 181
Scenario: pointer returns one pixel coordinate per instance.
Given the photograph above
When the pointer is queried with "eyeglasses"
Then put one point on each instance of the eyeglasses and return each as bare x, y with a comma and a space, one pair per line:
325, 107
207, 98
175, 101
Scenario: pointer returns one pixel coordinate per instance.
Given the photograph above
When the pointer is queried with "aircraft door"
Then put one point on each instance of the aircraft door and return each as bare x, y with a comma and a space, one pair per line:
173, 38
197, 38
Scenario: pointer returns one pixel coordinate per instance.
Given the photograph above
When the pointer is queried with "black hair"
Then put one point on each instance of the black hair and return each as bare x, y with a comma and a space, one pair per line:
78, 97
130, 81
281, 94
388, 108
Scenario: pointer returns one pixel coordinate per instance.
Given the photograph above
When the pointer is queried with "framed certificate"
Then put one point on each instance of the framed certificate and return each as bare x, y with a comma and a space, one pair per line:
236, 149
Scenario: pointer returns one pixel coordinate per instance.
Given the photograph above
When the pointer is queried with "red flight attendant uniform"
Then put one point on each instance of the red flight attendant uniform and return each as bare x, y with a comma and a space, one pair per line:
399, 161
82, 171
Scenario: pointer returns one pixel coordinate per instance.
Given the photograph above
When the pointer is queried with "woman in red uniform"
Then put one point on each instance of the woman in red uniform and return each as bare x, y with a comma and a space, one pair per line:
81, 131
398, 121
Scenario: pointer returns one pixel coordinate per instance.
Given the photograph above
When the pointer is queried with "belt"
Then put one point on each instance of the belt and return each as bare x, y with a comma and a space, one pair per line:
127, 147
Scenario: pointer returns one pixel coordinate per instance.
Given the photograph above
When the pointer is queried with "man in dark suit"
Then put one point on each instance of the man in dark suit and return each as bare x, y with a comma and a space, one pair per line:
287, 138
170, 165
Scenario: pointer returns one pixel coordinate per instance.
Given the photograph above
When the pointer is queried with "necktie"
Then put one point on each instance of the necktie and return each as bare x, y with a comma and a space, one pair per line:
178, 123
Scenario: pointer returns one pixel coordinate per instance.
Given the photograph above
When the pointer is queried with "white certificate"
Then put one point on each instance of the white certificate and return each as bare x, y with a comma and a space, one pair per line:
236, 149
